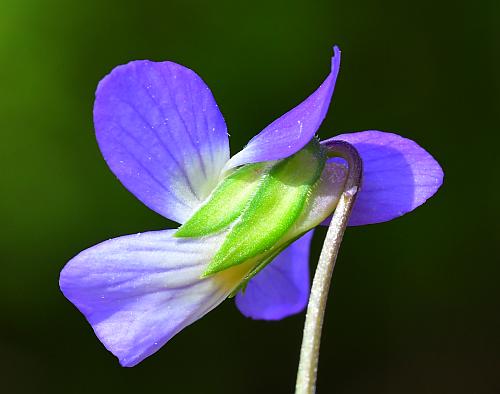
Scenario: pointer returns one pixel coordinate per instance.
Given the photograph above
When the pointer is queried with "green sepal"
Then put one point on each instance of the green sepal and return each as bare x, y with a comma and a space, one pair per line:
259, 267
225, 204
274, 209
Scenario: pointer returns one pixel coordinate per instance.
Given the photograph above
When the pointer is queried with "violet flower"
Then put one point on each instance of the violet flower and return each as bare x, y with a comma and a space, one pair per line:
162, 134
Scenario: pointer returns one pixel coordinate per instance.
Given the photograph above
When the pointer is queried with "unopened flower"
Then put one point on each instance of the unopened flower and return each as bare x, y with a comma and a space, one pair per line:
246, 221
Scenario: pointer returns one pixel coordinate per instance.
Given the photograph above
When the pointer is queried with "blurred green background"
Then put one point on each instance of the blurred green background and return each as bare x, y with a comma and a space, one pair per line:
415, 302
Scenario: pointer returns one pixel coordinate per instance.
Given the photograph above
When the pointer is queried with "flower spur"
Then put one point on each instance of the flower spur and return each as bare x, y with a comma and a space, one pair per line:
246, 221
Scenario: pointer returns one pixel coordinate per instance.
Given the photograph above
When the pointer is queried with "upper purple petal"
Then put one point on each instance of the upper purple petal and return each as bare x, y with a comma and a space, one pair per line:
162, 134
282, 288
292, 131
138, 291
398, 176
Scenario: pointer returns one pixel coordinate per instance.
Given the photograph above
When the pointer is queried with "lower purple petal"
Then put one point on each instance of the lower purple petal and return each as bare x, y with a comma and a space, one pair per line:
282, 288
138, 291
398, 176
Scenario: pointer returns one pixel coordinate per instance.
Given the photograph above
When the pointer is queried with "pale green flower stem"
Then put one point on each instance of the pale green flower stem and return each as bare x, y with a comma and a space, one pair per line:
309, 352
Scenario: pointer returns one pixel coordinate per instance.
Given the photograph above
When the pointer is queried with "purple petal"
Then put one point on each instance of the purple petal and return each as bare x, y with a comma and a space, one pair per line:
398, 176
162, 134
282, 288
138, 291
292, 131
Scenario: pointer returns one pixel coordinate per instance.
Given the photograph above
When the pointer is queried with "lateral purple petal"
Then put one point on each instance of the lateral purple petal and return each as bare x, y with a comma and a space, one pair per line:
292, 131
282, 288
162, 134
398, 176
138, 291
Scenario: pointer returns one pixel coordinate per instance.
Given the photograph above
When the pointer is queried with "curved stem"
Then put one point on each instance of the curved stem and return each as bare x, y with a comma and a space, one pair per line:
309, 352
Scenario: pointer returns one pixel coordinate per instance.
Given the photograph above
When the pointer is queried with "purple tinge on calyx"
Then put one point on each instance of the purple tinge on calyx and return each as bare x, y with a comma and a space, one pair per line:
398, 176
282, 288
292, 131
162, 134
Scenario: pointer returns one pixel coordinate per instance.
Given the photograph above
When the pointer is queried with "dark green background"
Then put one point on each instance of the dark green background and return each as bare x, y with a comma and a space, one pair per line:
415, 302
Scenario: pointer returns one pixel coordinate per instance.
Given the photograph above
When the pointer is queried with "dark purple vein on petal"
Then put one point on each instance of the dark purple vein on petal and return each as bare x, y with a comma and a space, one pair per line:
165, 148
162, 143
204, 119
174, 104
151, 175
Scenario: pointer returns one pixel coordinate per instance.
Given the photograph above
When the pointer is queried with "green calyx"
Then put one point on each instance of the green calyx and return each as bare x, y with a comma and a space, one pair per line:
273, 210
259, 206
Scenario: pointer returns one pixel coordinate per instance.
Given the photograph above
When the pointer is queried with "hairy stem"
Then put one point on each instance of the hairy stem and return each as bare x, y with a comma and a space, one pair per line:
309, 352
